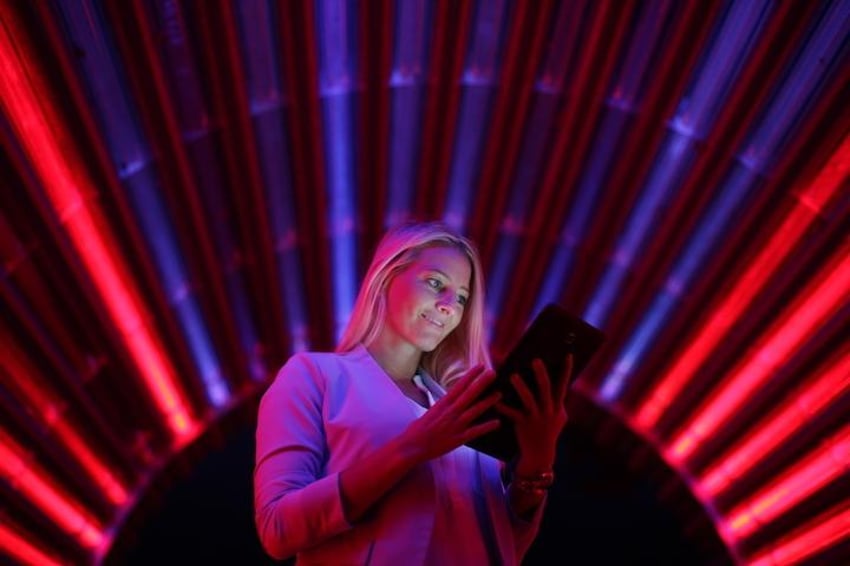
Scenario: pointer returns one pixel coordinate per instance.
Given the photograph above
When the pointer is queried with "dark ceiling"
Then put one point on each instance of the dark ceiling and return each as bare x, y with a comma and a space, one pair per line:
191, 191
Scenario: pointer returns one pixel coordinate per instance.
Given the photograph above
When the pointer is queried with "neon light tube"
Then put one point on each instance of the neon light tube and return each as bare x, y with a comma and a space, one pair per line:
47, 408
22, 550
37, 128
815, 536
59, 506
338, 77
770, 433
407, 84
811, 201
826, 463
478, 80
813, 306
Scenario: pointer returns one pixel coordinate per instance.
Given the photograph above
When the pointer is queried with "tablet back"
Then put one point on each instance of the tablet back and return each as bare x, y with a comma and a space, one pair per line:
551, 335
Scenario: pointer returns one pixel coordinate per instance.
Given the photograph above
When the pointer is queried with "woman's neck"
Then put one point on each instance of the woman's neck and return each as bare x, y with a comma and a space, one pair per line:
399, 360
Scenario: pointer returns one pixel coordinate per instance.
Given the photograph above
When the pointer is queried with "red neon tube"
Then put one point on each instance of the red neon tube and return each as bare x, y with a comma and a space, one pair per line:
45, 403
818, 534
38, 126
49, 498
810, 203
773, 430
22, 550
828, 289
823, 465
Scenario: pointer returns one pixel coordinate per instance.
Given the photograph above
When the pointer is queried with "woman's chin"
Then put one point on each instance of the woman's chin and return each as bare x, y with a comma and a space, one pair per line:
429, 344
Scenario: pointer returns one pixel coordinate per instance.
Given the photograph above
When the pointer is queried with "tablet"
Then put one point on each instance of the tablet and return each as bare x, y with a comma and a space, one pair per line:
551, 335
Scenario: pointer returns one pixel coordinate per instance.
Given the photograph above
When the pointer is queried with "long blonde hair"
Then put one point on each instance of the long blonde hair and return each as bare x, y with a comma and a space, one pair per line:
466, 345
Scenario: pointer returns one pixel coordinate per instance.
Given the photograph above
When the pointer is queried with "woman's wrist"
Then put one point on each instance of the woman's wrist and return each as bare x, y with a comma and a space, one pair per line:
527, 466
537, 483
533, 476
527, 493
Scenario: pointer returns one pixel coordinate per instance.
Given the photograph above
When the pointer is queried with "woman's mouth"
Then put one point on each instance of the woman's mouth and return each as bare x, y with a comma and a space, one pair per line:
436, 323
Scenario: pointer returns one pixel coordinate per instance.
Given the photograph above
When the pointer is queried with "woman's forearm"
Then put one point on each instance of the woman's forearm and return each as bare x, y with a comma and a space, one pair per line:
364, 483
523, 502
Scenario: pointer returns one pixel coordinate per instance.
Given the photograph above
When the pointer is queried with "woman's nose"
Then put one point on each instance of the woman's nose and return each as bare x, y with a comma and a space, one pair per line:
446, 305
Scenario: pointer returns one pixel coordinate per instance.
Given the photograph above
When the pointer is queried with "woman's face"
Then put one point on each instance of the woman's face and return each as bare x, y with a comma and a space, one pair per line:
425, 302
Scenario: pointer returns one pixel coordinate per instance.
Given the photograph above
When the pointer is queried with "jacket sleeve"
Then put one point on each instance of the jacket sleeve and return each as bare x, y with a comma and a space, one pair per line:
296, 506
525, 529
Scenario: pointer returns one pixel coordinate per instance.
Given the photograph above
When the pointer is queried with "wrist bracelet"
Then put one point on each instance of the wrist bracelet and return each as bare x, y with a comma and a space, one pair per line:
535, 483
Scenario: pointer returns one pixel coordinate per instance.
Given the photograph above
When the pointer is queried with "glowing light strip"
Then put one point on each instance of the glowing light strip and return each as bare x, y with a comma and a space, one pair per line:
742, 26
193, 115
751, 283
829, 289
21, 99
673, 161
623, 102
821, 53
407, 85
773, 430
704, 239
580, 211
478, 80
47, 408
337, 78
695, 116
49, 498
21, 549
815, 536
821, 466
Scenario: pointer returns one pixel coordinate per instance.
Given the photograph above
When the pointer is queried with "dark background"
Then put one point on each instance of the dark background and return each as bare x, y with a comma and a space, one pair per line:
614, 505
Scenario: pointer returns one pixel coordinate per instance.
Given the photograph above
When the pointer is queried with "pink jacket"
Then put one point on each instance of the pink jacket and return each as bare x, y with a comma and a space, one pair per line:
323, 412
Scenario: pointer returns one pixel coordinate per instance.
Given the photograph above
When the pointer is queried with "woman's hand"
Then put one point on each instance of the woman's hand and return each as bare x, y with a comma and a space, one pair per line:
540, 420
449, 422
443, 427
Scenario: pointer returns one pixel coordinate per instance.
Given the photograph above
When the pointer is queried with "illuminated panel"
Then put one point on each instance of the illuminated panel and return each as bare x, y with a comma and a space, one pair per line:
826, 463
769, 434
812, 308
823, 51
196, 129
48, 408
133, 164
265, 94
478, 80
633, 103
65, 189
337, 78
21, 549
36, 486
723, 317
407, 84
533, 150
815, 536
706, 237
695, 117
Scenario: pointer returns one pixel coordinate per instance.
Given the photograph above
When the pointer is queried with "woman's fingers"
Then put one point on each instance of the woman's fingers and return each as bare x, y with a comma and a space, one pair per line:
468, 377
469, 391
524, 393
565, 378
480, 429
510, 412
477, 409
544, 385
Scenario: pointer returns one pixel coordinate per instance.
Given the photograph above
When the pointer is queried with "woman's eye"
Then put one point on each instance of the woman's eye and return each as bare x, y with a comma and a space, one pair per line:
462, 300
433, 283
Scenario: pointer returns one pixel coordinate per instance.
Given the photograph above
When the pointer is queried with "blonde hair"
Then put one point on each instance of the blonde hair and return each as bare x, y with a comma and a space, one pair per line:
465, 346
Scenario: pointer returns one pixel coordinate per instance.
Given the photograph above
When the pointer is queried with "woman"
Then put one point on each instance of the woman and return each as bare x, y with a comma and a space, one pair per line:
360, 453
